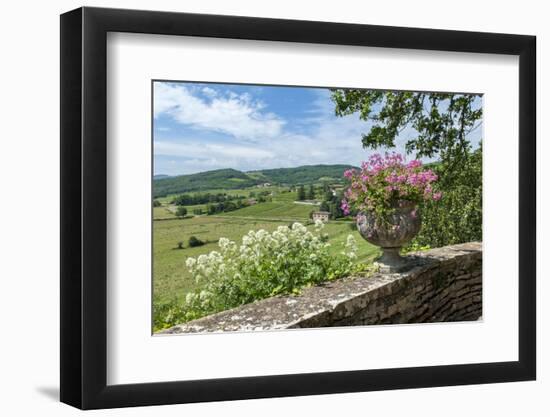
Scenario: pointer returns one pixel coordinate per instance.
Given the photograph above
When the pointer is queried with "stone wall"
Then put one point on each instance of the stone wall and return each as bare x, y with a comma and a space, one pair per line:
445, 284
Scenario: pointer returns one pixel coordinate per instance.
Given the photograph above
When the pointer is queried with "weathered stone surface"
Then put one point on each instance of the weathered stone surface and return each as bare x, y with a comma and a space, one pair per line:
445, 285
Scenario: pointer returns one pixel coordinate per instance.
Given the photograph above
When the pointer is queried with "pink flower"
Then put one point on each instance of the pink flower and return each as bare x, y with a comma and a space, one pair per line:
392, 178
384, 180
345, 207
414, 164
348, 173
414, 179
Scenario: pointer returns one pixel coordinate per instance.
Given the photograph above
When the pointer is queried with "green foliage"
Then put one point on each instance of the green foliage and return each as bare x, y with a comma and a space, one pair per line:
332, 204
305, 174
301, 193
156, 203
224, 207
457, 217
333, 209
196, 199
181, 211
180, 245
310, 193
442, 122
195, 241
264, 265
166, 314
221, 178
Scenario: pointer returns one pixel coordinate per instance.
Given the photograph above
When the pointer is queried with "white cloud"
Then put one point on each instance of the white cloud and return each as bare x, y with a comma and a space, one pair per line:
318, 138
199, 149
329, 140
234, 114
209, 92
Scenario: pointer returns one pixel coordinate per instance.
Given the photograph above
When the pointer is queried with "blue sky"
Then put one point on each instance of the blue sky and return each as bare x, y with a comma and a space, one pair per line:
200, 127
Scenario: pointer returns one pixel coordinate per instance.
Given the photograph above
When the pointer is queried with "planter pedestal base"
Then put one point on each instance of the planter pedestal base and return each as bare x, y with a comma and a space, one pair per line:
391, 261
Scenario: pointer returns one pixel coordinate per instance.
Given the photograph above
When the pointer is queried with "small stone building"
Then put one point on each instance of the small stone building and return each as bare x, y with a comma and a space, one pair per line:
320, 215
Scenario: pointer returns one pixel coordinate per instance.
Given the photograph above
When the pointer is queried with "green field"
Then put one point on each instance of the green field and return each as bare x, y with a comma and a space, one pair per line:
171, 278
163, 212
275, 210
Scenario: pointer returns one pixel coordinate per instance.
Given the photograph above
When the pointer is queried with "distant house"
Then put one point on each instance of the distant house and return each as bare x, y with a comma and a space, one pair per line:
335, 190
320, 215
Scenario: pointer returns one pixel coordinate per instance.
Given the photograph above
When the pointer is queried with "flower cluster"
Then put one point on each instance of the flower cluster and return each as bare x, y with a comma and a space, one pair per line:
263, 265
383, 182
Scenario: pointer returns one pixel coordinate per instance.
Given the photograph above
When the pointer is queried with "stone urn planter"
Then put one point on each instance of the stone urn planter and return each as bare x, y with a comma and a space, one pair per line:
393, 233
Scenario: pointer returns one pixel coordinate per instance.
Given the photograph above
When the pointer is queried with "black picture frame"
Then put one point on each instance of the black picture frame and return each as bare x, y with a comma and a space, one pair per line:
84, 207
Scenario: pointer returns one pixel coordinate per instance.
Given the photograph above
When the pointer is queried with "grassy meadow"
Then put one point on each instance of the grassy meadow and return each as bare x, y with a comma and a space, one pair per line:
171, 278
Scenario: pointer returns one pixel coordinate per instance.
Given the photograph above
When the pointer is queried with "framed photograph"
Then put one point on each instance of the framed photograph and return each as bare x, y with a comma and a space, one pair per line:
257, 208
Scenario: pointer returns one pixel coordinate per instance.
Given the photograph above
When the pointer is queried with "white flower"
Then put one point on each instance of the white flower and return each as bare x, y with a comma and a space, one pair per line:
351, 242
319, 224
264, 256
223, 242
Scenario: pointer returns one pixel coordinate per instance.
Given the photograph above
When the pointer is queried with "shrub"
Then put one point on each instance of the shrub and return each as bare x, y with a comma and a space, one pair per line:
457, 218
181, 211
180, 245
263, 265
195, 241
166, 314
156, 203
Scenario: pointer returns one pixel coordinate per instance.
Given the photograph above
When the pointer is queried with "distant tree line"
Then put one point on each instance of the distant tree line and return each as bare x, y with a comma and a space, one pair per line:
225, 206
195, 199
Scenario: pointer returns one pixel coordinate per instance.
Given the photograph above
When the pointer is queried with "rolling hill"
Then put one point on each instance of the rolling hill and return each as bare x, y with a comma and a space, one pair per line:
233, 179
220, 178
302, 175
